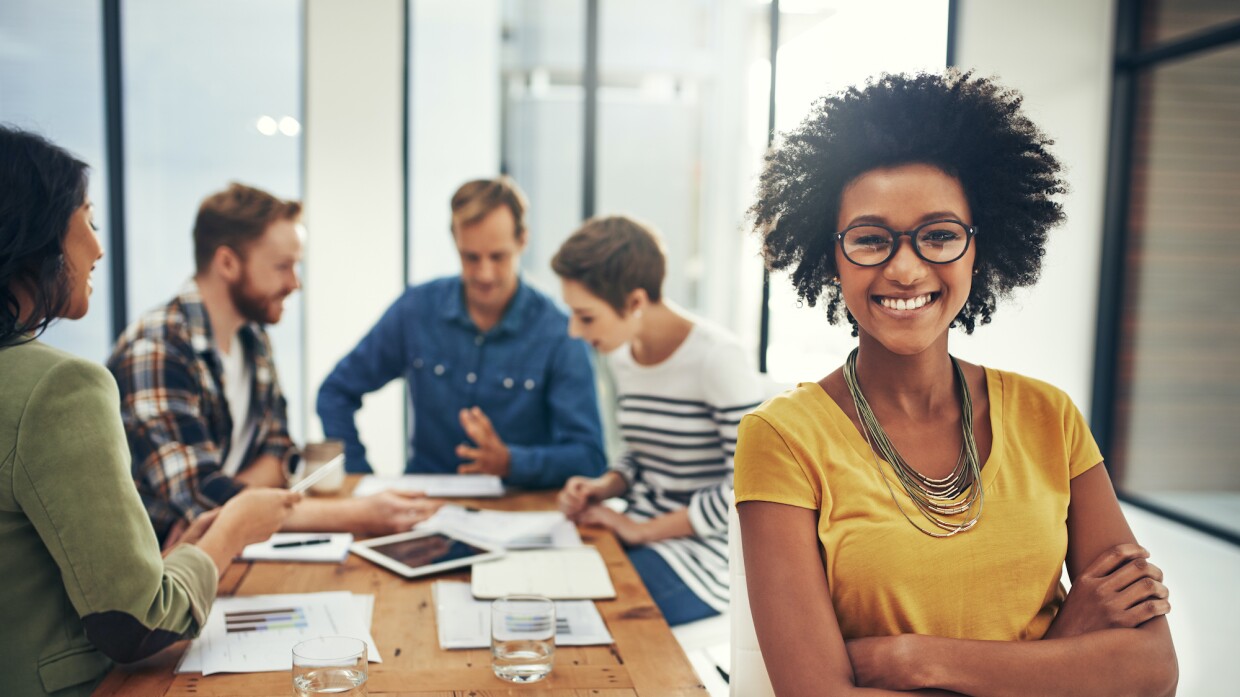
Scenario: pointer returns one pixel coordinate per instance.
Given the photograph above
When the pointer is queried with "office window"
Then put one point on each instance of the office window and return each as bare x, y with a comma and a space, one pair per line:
1178, 400
51, 83
212, 94
543, 122
454, 114
824, 47
1171, 20
679, 145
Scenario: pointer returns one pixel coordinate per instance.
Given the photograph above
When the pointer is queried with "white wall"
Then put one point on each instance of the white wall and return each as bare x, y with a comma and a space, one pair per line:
1058, 54
353, 195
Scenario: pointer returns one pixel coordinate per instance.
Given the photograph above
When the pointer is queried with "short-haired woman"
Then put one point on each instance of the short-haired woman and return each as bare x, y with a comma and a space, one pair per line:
682, 386
84, 581
906, 518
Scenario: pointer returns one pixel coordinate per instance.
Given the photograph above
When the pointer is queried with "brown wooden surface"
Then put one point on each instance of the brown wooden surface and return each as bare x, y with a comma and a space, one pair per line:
645, 660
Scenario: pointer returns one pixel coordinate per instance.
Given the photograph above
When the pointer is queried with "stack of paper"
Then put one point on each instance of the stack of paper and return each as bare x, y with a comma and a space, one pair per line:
256, 634
435, 485
507, 529
465, 623
300, 546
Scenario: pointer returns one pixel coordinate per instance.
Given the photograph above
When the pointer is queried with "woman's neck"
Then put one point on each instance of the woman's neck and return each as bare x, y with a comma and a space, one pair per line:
663, 329
222, 313
917, 385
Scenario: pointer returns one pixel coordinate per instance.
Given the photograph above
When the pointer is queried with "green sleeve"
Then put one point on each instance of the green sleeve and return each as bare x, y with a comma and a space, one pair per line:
72, 480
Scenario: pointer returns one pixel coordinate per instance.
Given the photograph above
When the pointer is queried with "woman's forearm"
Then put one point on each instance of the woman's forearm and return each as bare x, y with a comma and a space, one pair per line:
1122, 662
614, 484
668, 525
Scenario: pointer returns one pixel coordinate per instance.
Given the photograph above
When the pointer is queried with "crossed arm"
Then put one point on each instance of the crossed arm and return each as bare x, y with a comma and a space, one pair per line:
1098, 645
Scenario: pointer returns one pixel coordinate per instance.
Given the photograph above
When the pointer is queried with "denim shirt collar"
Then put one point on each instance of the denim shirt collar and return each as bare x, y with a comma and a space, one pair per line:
514, 319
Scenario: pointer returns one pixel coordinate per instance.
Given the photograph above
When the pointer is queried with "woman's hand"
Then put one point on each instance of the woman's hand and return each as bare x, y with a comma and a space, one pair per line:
390, 512
580, 493
1119, 588
199, 527
888, 662
629, 531
254, 514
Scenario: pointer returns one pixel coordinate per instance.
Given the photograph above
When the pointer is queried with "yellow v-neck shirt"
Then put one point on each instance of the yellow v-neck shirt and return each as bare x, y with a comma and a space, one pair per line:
999, 580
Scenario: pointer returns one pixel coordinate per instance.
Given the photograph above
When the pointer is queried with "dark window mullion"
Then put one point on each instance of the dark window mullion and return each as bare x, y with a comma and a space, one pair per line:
114, 126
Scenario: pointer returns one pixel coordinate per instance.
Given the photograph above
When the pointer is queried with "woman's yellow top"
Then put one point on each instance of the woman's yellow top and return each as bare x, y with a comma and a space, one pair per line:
998, 581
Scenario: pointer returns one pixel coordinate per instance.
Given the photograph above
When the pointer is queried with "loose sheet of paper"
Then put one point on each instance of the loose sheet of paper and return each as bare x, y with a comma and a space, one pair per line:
335, 550
507, 529
574, 573
465, 623
256, 634
435, 485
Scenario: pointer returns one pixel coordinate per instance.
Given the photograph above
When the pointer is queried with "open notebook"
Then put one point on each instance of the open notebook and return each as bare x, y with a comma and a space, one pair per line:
570, 573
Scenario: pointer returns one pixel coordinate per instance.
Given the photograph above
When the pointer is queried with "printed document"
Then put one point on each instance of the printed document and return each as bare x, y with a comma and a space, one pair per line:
506, 529
465, 623
256, 634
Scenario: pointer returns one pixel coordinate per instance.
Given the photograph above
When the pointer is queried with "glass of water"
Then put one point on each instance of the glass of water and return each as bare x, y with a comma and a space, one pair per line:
522, 637
333, 665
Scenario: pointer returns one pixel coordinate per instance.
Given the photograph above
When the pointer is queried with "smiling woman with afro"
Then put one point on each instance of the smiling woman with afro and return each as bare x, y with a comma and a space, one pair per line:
906, 518
968, 127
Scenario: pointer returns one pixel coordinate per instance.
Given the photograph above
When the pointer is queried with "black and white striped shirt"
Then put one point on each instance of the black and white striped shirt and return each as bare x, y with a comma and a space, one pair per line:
678, 420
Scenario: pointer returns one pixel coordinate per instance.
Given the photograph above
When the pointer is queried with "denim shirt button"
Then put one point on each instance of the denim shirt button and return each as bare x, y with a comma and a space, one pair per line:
529, 384
439, 370
417, 363
471, 378
508, 383
478, 340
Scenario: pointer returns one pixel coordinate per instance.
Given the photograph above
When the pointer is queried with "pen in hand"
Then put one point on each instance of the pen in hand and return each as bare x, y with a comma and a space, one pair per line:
302, 543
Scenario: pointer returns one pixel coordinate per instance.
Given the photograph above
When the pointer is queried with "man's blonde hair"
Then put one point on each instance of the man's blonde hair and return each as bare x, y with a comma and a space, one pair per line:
476, 199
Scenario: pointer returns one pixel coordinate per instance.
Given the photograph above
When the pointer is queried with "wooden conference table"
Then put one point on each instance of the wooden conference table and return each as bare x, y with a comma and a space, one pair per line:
645, 660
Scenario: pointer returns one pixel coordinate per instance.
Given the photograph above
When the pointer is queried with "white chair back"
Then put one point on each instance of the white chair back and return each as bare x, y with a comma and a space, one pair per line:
748, 677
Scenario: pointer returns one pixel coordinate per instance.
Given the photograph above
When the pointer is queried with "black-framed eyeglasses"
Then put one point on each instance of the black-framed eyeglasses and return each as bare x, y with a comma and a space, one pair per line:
936, 242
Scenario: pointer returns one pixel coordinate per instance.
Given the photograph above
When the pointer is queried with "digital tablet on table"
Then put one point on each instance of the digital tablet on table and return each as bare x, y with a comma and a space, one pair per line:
423, 552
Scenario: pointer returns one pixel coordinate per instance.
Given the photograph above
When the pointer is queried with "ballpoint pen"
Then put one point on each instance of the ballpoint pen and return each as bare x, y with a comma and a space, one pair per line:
302, 543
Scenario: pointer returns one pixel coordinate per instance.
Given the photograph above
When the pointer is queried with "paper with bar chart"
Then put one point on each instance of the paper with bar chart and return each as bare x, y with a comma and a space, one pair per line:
257, 633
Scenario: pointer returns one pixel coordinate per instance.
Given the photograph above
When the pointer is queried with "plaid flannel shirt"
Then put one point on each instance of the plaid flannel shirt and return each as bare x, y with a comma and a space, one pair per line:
177, 417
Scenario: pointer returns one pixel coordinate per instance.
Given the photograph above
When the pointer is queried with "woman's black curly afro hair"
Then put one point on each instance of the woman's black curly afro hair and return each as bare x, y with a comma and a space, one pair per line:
971, 128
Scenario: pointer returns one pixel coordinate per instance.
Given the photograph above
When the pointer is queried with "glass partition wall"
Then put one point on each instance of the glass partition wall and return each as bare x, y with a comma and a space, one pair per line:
51, 83
1168, 392
655, 109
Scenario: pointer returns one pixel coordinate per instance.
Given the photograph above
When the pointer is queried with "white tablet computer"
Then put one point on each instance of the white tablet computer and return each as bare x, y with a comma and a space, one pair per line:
422, 552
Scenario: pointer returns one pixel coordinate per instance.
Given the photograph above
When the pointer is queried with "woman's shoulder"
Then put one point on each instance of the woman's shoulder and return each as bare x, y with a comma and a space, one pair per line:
796, 408
1025, 392
35, 367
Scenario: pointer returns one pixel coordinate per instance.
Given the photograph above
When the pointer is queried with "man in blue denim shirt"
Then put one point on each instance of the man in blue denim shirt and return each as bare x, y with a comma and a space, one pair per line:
497, 385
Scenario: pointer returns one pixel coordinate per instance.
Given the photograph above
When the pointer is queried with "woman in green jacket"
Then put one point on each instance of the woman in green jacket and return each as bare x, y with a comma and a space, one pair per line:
84, 582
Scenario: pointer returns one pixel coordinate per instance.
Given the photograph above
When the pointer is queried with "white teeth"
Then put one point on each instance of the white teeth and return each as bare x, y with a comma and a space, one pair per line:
906, 304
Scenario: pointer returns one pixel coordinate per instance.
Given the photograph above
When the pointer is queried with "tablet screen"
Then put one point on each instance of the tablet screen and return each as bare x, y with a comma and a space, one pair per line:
431, 549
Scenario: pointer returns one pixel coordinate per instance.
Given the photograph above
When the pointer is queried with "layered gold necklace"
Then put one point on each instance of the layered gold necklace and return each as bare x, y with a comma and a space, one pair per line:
936, 499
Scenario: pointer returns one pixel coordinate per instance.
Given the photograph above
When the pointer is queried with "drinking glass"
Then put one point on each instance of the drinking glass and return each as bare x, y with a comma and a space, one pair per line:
522, 637
333, 665
315, 455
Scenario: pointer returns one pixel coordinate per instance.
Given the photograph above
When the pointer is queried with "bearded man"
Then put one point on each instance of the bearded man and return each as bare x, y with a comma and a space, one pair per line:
200, 399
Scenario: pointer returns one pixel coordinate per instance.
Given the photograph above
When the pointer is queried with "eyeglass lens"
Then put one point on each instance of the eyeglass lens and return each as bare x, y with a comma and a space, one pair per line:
940, 243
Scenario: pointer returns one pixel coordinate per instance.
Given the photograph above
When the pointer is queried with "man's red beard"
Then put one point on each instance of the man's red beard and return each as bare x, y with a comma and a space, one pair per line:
263, 309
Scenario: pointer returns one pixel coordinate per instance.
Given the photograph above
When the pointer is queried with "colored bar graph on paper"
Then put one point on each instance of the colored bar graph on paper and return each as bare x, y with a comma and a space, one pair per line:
265, 620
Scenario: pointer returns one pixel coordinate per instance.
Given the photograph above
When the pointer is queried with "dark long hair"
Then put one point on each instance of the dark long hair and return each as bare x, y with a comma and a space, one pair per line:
41, 185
